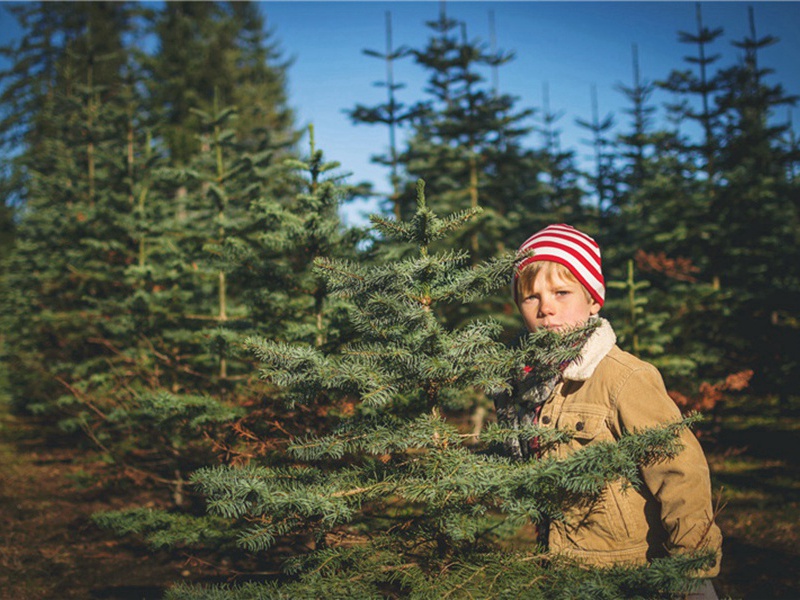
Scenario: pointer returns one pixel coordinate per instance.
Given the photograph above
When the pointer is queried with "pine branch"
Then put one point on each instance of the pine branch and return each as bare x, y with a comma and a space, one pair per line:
162, 529
386, 435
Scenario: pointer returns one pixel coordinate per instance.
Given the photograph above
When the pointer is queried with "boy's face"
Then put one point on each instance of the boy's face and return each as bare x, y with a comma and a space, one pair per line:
556, 302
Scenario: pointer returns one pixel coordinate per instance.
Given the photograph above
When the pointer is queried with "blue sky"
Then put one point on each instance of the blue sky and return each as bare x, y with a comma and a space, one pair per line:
567, 45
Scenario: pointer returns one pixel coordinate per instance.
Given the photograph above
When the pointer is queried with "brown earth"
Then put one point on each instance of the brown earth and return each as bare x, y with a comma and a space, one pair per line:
757, 466
49, 548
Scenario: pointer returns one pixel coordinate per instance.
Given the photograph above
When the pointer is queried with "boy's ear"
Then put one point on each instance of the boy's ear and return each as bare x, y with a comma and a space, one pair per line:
594, 307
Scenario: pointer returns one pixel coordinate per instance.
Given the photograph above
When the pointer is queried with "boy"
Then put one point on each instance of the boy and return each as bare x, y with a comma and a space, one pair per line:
602, 394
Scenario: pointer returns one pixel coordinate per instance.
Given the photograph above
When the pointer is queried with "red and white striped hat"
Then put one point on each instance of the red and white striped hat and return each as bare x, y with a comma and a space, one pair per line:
575, 250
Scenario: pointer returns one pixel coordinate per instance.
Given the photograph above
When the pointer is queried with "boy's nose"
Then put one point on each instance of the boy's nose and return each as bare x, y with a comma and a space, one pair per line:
546, 306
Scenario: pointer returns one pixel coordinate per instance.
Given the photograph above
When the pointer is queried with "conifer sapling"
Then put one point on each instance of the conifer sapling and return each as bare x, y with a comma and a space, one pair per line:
398, 503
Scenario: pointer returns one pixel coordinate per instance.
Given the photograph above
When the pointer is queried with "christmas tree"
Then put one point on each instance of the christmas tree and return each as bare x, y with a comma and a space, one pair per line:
398, 499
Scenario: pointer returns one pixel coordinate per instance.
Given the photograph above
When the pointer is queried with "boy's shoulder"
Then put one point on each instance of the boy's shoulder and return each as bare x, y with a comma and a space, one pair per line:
625, 359
621, 364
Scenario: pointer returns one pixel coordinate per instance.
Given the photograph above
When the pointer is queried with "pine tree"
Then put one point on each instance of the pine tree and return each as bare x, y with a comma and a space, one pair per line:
182, 72
180, 388
266, 255
563, 197
641, 111
658, 250
216, 48
701, 84
604, 178
251, 254
466, 139
72, 246
644, 315
686, 221
391, 114
399, 500
259, 87
224, 129
119, 347
697, 223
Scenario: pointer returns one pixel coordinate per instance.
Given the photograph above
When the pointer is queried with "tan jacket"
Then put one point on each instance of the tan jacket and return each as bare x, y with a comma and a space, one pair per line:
606, 393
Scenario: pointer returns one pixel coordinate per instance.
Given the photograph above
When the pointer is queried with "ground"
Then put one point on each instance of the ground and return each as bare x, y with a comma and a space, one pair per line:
49, 548
754, 460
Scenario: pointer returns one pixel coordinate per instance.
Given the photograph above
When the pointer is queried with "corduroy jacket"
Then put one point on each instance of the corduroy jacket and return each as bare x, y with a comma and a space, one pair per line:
604, 394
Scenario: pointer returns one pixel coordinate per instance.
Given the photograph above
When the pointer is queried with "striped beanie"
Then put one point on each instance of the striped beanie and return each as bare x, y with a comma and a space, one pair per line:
568, 246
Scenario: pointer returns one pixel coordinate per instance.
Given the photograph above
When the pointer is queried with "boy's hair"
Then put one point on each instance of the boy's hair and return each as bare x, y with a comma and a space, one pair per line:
565, 245
523, 285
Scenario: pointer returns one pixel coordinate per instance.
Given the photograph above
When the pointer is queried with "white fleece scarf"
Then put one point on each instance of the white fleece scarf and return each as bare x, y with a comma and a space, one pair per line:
594, 350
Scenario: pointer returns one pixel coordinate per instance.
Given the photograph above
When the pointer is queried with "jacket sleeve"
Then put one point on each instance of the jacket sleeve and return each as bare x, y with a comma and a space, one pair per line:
682, 485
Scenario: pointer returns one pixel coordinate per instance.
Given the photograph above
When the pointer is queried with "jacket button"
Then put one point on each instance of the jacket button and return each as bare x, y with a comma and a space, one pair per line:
545, 420
579, 426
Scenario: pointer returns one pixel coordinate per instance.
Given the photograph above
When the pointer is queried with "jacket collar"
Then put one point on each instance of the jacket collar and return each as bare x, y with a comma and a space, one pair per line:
594, 350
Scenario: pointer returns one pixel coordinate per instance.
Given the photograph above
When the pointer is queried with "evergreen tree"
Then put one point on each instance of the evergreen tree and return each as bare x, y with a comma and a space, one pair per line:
250, 254
185, 71
107, 309
658, 246
216, 48
701, 84
563, 197
222, 123
637, 142
72, 245
466, 139
180, 387
259, 88
633, 170
685, 221
90, 143
604, 179
310, 228
76, 342
391, 114
399, 501
698, 224
266, 256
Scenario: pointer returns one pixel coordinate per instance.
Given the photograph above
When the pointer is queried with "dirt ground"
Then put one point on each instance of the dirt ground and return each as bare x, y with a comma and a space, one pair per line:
49, 549
757, 467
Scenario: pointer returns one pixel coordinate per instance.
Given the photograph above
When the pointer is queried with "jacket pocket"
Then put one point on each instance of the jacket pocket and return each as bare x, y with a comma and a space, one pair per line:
584, 423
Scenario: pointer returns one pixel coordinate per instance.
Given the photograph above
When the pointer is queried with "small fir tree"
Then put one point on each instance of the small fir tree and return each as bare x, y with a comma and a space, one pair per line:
249, 255
562, 197
702, 84
399, 501
604, 179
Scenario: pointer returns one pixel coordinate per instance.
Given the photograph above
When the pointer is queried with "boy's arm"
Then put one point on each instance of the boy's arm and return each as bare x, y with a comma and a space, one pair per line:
681, 485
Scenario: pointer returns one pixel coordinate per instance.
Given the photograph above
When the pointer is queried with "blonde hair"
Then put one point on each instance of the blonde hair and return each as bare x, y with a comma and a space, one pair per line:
550, 269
